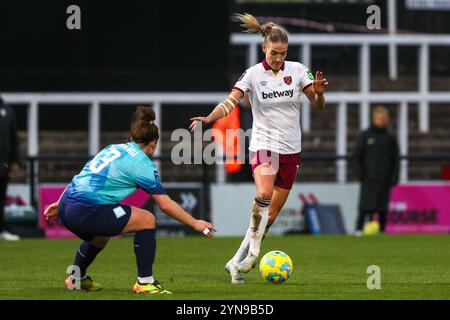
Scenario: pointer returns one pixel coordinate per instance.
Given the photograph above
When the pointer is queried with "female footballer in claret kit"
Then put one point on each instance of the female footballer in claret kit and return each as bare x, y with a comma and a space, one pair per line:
90, 208
273, 88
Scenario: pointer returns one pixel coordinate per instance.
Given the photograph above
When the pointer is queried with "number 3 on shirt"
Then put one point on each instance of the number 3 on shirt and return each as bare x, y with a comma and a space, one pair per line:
100, 164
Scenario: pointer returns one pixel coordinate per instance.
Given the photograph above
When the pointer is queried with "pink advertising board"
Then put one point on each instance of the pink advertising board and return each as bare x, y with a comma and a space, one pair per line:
51, 193
419, 208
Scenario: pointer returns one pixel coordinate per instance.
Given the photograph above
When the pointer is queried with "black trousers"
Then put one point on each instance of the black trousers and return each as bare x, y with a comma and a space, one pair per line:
3, 186
374, 198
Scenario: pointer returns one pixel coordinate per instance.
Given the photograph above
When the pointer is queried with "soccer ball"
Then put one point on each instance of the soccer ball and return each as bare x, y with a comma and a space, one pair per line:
371, 228
276, 266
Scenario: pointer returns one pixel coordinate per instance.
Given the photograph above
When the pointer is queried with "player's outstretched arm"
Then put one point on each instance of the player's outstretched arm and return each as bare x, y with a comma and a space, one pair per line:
316, 92
174, 210
220, 111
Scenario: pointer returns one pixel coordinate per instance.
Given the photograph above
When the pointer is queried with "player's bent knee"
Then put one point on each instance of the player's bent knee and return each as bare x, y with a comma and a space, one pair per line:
149, 221
140, 219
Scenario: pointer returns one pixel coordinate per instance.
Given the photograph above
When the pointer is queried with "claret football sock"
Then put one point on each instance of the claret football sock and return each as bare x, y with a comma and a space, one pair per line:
144, 249
86, 253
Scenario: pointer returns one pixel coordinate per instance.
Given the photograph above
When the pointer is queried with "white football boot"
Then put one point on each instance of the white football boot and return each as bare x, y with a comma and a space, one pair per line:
232, 268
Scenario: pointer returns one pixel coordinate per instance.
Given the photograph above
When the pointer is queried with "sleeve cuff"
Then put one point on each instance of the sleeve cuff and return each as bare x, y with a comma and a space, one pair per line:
240, 90
307, 87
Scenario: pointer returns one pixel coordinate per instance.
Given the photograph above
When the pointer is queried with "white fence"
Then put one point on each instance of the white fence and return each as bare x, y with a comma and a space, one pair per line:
363, 44
157, 100
363, 97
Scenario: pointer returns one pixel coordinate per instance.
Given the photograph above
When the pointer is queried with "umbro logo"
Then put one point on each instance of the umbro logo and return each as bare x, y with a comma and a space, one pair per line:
370, 141
263, 83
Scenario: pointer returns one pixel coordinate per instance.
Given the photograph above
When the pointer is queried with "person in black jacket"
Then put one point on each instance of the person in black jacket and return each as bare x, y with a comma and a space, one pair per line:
9, 160
377, 167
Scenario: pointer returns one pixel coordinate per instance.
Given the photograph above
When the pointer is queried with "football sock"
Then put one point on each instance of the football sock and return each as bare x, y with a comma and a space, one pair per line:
258, 223
144, 249
242, 252
245, 245
86, 253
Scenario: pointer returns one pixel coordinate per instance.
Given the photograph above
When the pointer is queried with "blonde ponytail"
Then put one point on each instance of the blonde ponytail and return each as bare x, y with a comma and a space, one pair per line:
249, 22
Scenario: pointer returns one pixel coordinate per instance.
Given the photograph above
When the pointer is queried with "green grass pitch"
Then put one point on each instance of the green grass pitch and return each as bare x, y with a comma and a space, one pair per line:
325, 267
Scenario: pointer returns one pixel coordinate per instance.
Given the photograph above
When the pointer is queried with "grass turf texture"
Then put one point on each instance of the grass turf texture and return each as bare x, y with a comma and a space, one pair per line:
325, 267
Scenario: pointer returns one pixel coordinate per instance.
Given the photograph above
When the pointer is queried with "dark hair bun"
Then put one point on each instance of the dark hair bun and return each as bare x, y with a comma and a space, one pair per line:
144, 113
143, 130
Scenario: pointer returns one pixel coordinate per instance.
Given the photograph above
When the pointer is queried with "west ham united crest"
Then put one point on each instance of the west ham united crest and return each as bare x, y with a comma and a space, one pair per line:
287, 80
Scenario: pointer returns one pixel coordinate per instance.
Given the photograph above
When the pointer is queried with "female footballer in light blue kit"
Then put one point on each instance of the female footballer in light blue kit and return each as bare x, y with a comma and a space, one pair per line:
89, 207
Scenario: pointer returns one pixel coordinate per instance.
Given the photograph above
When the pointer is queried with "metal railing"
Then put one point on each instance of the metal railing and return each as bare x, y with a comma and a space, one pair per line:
364, 97
157, 100
362, 42
32, 174
33, 162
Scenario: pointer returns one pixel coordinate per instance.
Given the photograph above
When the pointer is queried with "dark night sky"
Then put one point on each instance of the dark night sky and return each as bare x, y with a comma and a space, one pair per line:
122, 46
148, 45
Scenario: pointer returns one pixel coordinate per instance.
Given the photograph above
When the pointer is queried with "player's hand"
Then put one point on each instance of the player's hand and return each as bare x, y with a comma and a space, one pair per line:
196, 121
205, 227
320, 83
51, 213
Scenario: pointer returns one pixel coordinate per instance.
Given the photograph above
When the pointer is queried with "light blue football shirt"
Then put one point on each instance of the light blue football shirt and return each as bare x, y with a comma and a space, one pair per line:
115, 173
